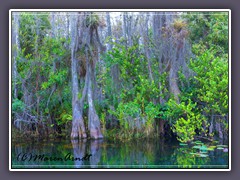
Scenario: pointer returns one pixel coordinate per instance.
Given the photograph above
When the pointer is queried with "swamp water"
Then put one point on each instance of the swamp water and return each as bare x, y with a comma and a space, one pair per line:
65, 154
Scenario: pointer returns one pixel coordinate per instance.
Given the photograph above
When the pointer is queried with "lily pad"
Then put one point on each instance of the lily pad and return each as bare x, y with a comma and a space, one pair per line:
196, 147
182, 144
203, 155
198, 142
203, 148
222, 145
203, 152
220, 148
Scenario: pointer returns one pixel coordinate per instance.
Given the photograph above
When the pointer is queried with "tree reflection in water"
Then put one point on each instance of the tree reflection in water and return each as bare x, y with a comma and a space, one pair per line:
144, 153
84, 148
95, 150
79, 150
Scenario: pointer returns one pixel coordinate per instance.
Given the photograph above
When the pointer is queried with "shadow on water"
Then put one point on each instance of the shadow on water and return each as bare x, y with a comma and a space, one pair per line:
111, 154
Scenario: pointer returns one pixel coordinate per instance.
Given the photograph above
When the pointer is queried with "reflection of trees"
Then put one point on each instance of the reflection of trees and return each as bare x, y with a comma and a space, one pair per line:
131, 154
34, 148
183, 159
79, 150
96, 151
82, 148
109, 154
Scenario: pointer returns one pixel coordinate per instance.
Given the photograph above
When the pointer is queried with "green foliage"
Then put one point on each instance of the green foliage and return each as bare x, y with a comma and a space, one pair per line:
126, 111
30, 26
188, 119
179, 24
17, 105
44, 70
151, 111
92, 20
209, 91
209, 29
132, 116
55, 78
64, 118
133, 73
134, 107
212, 81
129, 95
208, 88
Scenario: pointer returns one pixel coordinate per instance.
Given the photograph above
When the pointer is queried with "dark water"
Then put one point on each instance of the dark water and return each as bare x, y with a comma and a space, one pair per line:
108, 154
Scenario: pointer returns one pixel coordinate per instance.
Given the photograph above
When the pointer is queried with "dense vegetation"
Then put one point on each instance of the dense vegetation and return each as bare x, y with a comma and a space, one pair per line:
122, 76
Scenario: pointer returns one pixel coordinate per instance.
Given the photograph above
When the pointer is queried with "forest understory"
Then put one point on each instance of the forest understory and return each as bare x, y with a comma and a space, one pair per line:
121, 76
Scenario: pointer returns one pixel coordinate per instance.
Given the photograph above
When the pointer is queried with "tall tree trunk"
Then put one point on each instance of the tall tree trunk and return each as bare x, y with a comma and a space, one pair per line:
124, 26
68, 25
36, 55
161, 127
93, 119
146, 47
115, 72
78, 128
16, 49
109, 30
54, 63
169, 55
173, 84
159, 20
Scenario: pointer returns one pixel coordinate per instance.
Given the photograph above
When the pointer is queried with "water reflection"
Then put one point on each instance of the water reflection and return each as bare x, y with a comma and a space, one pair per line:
109, 154
84, 148
95, 149
79, 150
